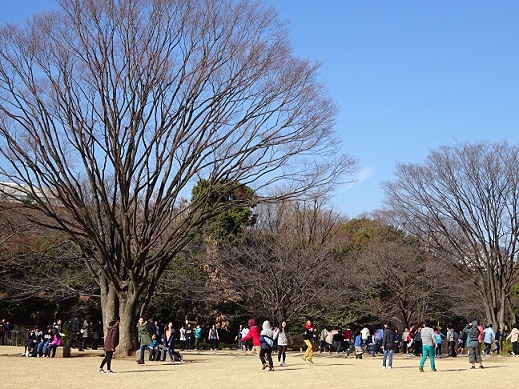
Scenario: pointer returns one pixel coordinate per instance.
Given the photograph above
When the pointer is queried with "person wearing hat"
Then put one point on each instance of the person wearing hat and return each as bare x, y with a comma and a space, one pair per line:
267, 342
308, 338
254, 334
474, 332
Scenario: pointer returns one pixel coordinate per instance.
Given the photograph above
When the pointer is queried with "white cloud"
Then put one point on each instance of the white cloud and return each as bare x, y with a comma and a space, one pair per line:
362, 175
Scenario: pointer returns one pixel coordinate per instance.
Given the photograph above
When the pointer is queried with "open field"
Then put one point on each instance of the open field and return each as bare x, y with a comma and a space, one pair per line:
234, 369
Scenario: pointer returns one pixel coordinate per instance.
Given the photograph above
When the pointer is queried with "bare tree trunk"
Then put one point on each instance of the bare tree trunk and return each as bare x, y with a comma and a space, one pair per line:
127, 309
108, 302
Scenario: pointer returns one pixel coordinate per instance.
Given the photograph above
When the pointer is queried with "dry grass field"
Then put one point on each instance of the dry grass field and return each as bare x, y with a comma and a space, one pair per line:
234, 369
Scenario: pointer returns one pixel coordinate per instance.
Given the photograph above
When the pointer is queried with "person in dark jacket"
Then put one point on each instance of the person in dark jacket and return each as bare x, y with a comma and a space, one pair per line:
74, 332
267, 341
169, 342
388, 345
417, 341
308, 338
473, 333
111, 342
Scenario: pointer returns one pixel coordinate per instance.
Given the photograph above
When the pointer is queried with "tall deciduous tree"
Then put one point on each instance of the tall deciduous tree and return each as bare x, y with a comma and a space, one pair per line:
287, 266
463, 202
111, 110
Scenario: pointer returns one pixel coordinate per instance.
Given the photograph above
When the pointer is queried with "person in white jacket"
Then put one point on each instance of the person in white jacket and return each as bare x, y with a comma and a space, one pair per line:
281, 335
513, 337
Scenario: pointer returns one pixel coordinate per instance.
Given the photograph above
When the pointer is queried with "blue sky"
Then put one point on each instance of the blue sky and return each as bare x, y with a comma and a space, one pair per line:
407, 76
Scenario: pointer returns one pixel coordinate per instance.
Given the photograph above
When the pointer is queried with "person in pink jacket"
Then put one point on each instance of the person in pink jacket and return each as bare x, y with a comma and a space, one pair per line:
54, 343
254, 334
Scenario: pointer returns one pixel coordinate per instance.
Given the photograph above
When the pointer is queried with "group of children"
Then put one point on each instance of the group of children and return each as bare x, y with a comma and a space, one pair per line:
39, 343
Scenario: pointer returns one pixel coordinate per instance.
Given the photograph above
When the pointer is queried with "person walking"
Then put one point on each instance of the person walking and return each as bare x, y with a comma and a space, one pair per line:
513, 337
169, 342
428, 341
254, 335
267, 342
497, 340
359, 345
388, 345
282, 338
474, 334
110, 343
74, 332
365, 334
322, 339
488, 339
308, 338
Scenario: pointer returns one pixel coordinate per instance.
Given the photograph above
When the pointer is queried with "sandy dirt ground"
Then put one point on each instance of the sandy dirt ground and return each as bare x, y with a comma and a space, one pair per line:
234, 369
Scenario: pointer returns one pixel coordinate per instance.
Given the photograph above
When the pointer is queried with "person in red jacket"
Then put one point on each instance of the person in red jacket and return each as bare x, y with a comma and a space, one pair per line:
254, 334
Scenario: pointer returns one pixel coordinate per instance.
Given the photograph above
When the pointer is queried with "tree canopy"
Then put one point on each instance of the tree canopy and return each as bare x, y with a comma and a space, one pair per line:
463, 203
110, 111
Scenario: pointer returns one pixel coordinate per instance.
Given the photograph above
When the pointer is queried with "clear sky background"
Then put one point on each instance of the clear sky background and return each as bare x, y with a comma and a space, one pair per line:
407, 76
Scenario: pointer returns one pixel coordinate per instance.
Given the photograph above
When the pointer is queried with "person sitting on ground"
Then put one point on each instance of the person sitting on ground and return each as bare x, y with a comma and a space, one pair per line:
30, 341
38, 342
44, 345
153, 347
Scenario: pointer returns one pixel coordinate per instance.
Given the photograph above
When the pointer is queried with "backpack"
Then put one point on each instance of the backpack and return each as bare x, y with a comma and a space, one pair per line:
464, 337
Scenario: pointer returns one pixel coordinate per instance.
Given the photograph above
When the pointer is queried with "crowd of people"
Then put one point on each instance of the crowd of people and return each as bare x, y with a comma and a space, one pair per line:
156, 342
42, 341
423, 341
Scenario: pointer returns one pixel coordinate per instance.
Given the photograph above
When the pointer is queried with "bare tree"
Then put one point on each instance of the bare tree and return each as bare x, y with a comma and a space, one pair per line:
397, 280
110, 111
287, 268
463, 202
